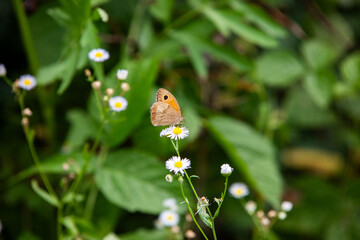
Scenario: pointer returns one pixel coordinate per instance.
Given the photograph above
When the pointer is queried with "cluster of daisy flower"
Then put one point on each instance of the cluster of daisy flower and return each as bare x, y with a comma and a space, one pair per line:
240, 190
116, 103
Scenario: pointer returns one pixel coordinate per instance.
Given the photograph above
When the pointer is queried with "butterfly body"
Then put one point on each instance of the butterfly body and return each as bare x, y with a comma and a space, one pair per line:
165, 111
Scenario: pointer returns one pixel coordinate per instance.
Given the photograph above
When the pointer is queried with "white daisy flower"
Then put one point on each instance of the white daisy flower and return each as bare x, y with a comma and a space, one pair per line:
282, 215
238, 190
2, 70
177, 165
99, 55
118, 103
226, 170
170, 203
169, 218
122, 74
175, 133
27, 82
286, 206
250, 207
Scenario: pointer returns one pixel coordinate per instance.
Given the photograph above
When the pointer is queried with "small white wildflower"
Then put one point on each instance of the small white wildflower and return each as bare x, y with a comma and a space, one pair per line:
282, 215
238, 190
27, 82
286, 206
2, 70
175, 133
99, 55
118, 103
122, 74
169, 218
170, 203
169, 178
226, 170
177, 165
250, 207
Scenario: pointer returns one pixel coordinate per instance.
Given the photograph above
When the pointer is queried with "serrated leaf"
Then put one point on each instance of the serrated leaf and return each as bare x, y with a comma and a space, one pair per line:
319, 54
350, 69
320, 86
252, 155
134, 181
52, 200
278, 68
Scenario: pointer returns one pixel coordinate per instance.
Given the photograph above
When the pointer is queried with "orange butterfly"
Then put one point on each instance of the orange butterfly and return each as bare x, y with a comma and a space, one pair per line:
165, 111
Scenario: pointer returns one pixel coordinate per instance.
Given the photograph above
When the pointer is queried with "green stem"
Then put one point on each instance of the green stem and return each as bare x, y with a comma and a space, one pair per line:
33, 152
223, 198
26, 36
59, 221
90, 204
190, 210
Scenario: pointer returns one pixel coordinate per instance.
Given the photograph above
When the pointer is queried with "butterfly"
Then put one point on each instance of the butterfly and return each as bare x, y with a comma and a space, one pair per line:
165, 111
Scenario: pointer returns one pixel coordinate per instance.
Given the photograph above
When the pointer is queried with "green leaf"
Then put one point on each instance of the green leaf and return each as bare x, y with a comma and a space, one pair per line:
319, 54
82, 127
320, 86
302, 111
146, 234
278, 68
350, 69
251, 153
161, 10
50, 73
220, 52
52, 200
70, 68
135, 181
142, 74
259, 17
198, 61
227, 20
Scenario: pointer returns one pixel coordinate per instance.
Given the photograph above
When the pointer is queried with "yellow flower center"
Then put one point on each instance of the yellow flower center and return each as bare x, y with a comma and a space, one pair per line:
118, 105
27, 82
239, 191
177, 130
169, 218
178, 164
98, 54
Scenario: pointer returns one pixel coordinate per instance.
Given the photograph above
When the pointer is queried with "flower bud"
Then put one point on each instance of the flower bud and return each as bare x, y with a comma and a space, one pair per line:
109, 91
25, 122
169, 178
190, 234
106, 98
96, 85
2, 70
272, 214
180, 178
125, 87
286, 206
27, 112
260, 214
265, 221
250, 207
226, 170
188, 217
88, 73
282, 215
175, 229
65, 166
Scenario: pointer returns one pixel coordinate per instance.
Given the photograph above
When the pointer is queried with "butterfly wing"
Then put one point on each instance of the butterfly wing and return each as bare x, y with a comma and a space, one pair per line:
163, 114
164, 95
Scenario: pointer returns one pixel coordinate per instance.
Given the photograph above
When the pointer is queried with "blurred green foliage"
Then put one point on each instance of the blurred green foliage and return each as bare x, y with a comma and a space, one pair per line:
256, 81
